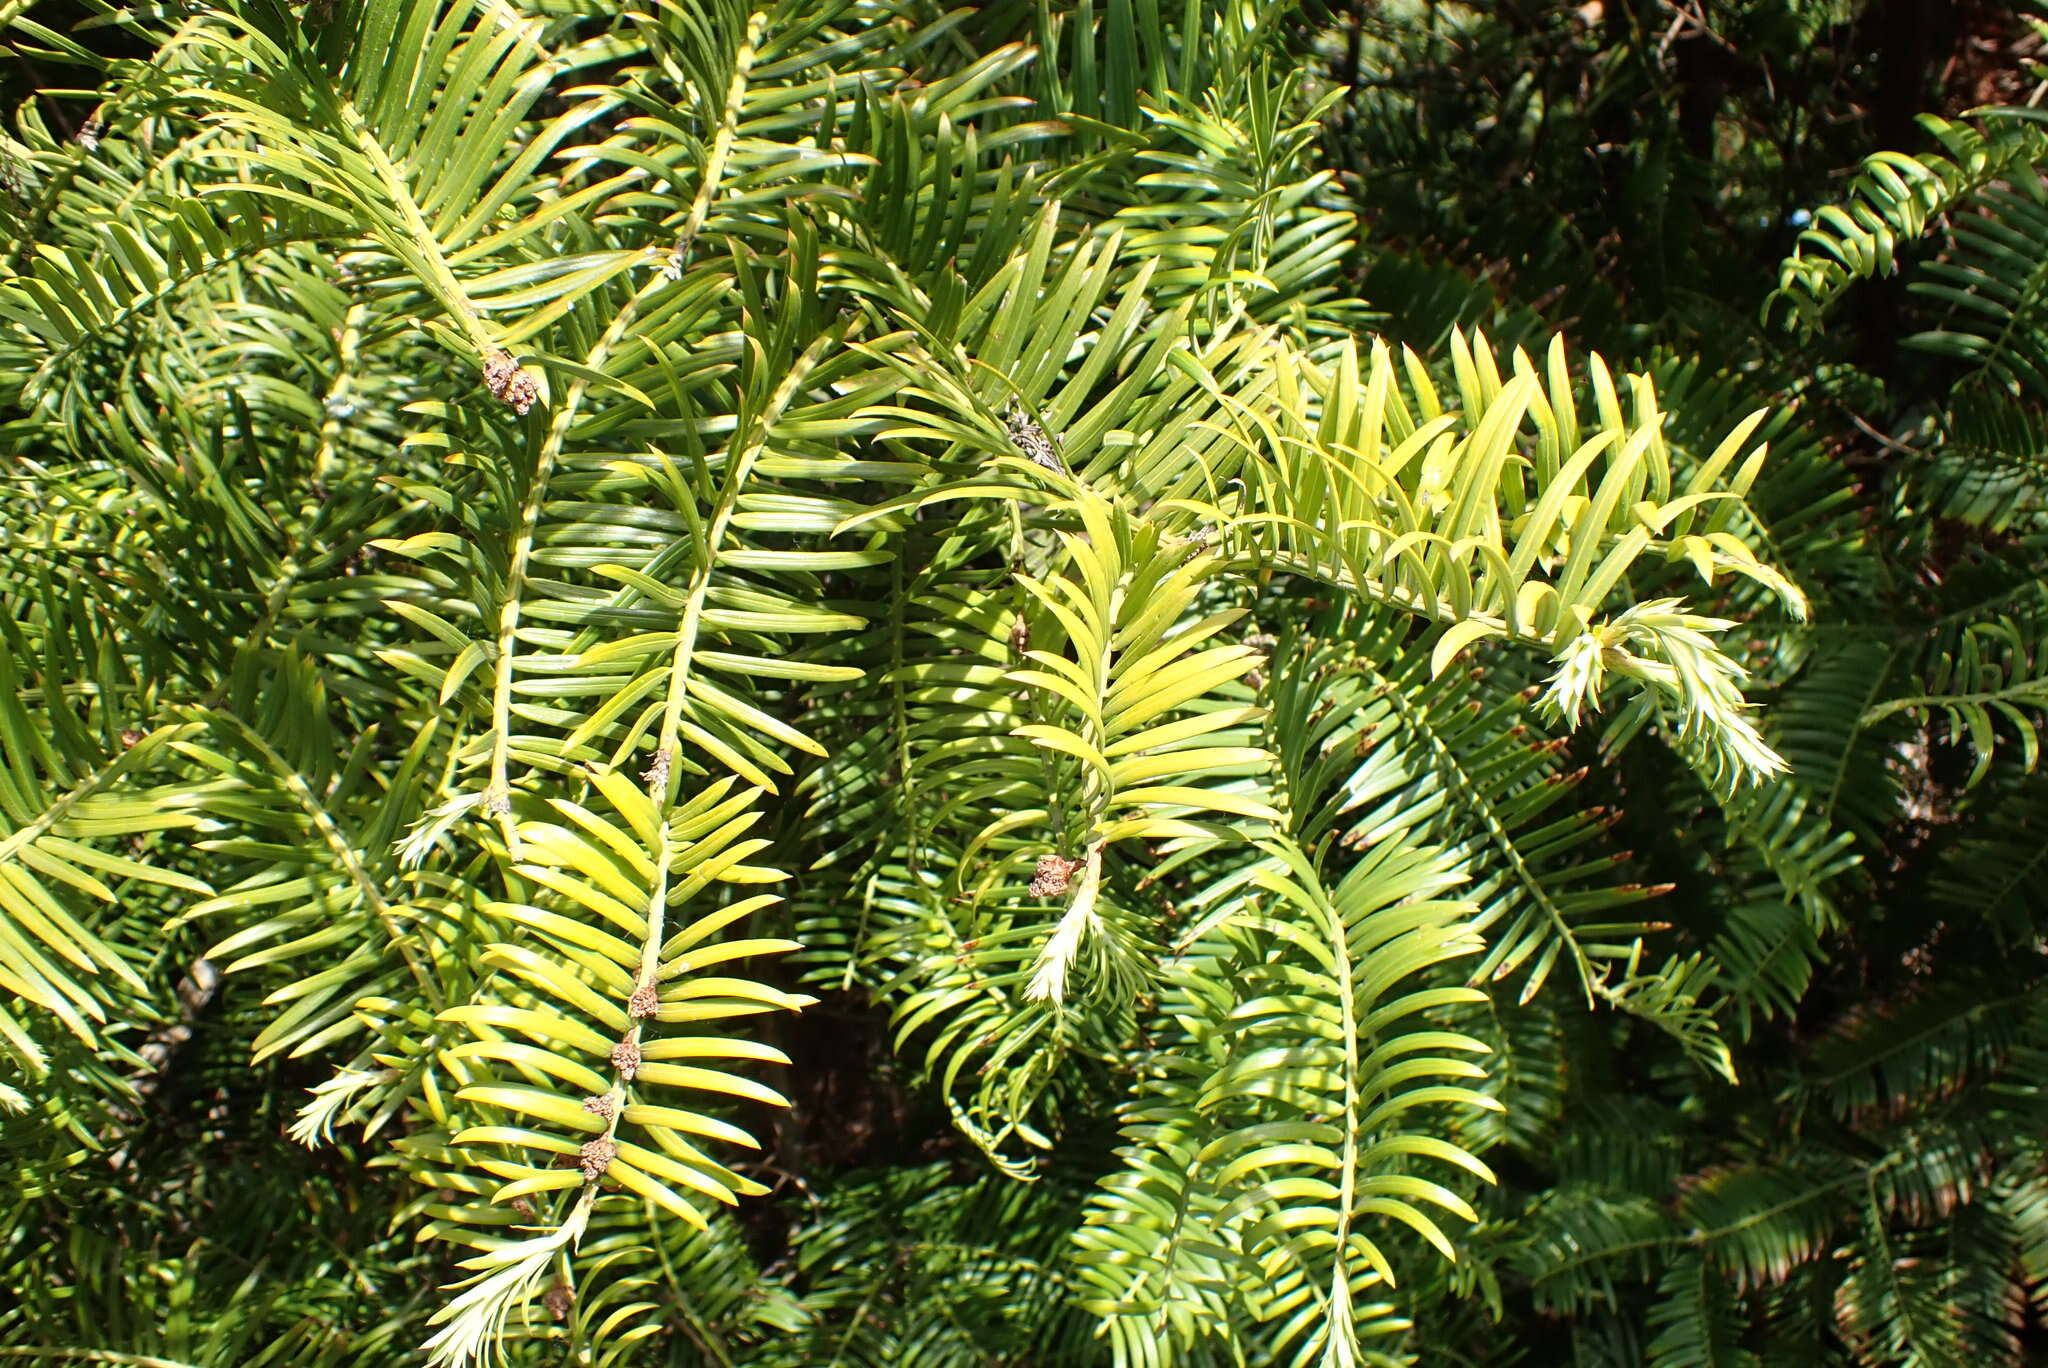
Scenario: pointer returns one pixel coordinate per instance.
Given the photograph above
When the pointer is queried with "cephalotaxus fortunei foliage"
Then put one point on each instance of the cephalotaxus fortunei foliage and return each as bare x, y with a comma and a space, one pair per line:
565, 536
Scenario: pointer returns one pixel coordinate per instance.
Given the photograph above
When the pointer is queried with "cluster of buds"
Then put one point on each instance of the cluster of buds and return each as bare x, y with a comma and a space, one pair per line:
597, 1156
644, 1002
1030, 439
626, 1056
1053, 874
604, 1105
655, 776
510, 382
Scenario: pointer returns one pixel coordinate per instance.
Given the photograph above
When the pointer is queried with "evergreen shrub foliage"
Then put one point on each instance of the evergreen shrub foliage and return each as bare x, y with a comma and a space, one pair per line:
546, 549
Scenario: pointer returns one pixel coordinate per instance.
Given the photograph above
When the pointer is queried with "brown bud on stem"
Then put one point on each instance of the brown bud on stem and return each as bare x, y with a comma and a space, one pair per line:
1053, 874
597, 1155
626, 1056
655, 776
508, 381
